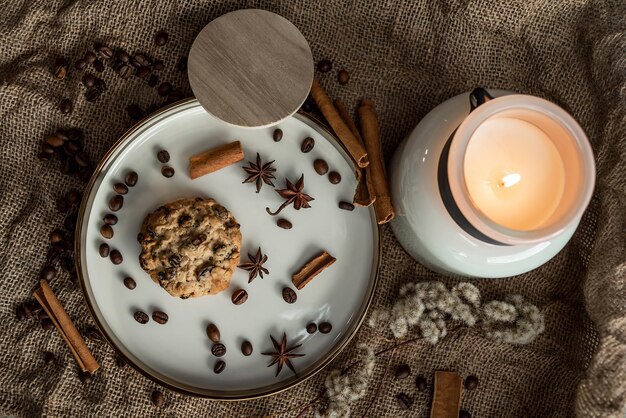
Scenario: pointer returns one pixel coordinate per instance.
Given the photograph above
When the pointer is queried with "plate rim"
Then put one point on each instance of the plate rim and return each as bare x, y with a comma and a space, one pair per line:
247, 394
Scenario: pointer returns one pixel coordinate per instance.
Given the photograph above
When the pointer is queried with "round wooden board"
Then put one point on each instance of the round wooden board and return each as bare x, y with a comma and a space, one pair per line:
250, 68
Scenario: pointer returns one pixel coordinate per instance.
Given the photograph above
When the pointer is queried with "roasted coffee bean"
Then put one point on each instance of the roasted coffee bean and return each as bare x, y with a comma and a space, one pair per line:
346, 206
134, 111
72, 146
219, 367
82, 159
121, 55
20, 313
46, 324
153, 80
142, 72
175, 96
56, 236
218, 349
160, 317
47, 148
421, 383
104, 250
116, 202
93, 334
160, 38
307, 144
343, 77
44, 156
131, 179
167, 171
104, 51
141, 317
59, 69
130, 283
402, 371
163, 156
53, 141
110, 219
284, 223
158, 65
90, 57
158, 399
48, 357
213, 332
92, 94
277, 135
64, 134
85, 377
98, 66
334, 177
80, 63
324, 66
246, 348
70, 221
120, 362
62, 205
142, 60
320, 166
106, 231
471, 382
66, 263
311, 328
66, 106
120, 188
124, 71
464, 414
101, 85
181, 65
116, 257
47, 273
73, 196
89, 80
164, 89
325, 327
289, 295
239, 296
28, 310
404, 401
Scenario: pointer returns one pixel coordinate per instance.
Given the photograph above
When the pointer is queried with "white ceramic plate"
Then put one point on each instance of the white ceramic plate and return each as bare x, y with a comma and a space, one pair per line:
178, 354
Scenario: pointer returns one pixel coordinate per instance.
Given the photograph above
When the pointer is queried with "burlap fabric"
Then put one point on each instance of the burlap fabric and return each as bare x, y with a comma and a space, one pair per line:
408, 56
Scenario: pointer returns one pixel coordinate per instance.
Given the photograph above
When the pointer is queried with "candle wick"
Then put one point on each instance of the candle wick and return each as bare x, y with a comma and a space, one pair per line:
509, 180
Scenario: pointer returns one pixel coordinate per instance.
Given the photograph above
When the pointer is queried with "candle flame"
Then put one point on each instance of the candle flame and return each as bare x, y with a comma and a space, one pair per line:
509, 180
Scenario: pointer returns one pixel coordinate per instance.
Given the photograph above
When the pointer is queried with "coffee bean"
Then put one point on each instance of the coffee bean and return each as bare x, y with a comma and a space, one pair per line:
70, 221
320, 166
90, 57
325, 327
101, 85
46, 324
134, 111
130, 283
167, 171
116, 257
404, 401
239, 296
471, 382
122, 55
71, 147
131, 179
120, 188
85, 377
307, 144
246, 348
82, 159
124, 71
93, 334
106, 231
160, 38
104, 250
80, 63
464, 414
20, 313
289, 295
47, 148
158, 399
219, 367
311, 328
47, 273
218, 349
343, 77
59, 69
142, 60
346, 206
181, 65
98, 66
163, 156
421, 383
175, 96
277, 135
284, 223
66, 263
104, 51
66, 106
153, 80
324, 66
116, 202
28, 310
44, 156
160, 317
48, 357
89, 80
142, 72
73, 196
92, 94
158, 65
110, 219
164, 89
334, 177
120, 362
56, 236
141, 317
403, 371
213, 332
54, 141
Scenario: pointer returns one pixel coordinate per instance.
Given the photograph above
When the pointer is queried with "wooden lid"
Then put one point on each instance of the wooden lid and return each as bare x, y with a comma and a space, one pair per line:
250, 68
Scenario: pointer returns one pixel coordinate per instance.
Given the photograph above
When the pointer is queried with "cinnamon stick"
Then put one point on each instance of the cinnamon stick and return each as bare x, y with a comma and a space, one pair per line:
312, 268
371, 137
215, 159
350, 142
63, 323
364, 194
447, 395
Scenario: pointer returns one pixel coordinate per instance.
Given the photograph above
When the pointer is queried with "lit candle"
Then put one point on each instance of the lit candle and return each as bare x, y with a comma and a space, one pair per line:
514, 173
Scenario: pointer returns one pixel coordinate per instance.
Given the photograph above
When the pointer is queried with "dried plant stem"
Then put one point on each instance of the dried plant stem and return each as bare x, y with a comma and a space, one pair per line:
380, 384
308, 406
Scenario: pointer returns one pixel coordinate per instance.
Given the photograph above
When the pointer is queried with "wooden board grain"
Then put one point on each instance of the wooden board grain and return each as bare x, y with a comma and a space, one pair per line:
250, 68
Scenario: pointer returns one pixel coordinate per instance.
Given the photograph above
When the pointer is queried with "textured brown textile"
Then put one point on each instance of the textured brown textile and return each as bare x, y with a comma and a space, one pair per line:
408, 56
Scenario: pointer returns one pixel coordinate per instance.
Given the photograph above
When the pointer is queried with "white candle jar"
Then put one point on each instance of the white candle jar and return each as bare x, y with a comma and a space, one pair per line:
451, 215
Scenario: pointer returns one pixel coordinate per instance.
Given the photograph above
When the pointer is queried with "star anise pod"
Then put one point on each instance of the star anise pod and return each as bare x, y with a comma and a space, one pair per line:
293, 194
283, 355
260, 173
255, 265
